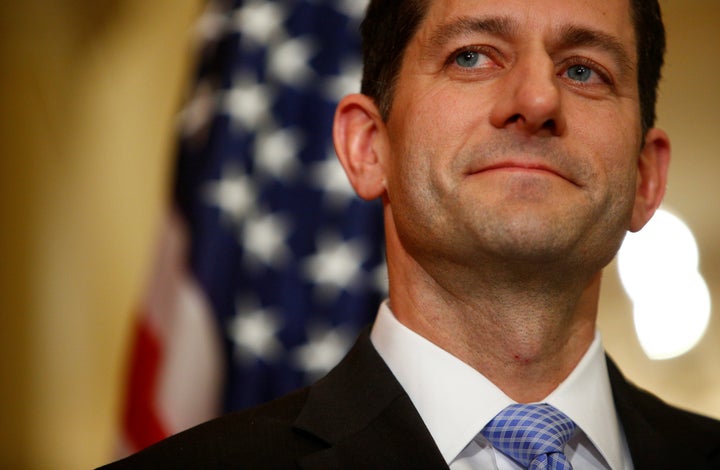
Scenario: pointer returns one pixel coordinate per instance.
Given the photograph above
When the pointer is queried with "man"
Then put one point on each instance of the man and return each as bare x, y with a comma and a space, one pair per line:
512, 145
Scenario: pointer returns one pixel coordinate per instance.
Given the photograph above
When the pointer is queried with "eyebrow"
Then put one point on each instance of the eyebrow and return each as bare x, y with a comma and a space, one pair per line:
497, 26
571, 36
574, 36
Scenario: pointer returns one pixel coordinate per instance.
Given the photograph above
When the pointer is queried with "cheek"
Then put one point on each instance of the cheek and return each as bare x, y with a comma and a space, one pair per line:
624, 154
439, 114
613, 137
620, 185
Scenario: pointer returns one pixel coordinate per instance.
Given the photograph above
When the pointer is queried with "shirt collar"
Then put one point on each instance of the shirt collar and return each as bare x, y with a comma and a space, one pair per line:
586, 397
455, 401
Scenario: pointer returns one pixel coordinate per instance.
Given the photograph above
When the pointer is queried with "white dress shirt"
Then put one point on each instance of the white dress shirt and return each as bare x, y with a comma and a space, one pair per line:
456, 402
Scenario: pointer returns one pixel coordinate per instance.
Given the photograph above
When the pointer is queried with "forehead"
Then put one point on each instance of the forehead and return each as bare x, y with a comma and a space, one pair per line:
533, 18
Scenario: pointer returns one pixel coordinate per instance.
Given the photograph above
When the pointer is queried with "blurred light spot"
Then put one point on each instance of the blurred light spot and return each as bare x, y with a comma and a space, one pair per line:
658, 268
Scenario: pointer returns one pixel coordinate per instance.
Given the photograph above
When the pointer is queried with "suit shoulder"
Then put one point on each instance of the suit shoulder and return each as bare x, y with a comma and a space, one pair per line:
675, 419
682, 429
661, 435
262, 436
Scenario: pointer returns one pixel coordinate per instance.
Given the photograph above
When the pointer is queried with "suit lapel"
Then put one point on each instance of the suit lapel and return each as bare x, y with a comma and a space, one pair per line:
366, 418
649, 447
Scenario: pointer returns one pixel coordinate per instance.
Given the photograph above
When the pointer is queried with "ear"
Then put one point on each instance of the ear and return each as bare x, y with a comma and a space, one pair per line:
358, 133
652, 177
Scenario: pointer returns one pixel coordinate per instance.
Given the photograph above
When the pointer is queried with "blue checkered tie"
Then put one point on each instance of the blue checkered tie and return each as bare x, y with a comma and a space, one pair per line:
533, 435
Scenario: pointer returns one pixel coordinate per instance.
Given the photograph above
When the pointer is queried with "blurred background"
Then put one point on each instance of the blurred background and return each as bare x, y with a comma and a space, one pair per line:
89, 93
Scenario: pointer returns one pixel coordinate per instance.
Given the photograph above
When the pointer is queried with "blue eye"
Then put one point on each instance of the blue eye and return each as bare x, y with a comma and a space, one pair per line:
467, 59
579, 73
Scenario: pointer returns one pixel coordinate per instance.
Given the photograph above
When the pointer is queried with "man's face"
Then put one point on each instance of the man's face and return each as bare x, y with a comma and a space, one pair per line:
515, 132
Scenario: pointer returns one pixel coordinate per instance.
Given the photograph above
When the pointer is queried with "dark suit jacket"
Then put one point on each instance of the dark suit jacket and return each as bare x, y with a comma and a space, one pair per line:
359, 417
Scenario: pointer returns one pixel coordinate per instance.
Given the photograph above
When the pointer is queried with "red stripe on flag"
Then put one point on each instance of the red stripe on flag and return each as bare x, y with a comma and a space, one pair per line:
142, 423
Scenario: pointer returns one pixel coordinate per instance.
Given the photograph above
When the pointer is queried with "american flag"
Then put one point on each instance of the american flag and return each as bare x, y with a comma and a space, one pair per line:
269, 264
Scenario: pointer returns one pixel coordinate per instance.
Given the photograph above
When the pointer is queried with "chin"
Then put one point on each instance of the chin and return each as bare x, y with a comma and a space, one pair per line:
545, 241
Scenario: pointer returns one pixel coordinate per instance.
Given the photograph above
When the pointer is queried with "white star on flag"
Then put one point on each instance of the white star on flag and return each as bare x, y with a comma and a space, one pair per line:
352, 8
324, 349
289, 61
248, 103
260, 21
264, 239
234, 194
336, 266
276, 153
254, 334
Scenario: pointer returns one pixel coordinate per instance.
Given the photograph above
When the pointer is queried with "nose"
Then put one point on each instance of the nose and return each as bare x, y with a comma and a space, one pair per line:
529, 99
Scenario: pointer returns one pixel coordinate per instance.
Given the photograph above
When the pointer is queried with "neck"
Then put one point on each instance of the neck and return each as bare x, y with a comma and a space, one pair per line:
524, 333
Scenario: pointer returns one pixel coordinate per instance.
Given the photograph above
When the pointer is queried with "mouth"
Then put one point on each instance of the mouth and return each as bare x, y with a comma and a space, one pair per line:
520, 167
528, 167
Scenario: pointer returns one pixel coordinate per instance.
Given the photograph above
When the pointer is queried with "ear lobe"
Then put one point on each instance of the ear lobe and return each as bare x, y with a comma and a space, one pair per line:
356, 132
652, 177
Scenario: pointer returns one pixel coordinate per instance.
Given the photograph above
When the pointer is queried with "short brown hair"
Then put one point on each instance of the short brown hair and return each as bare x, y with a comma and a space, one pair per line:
388, 27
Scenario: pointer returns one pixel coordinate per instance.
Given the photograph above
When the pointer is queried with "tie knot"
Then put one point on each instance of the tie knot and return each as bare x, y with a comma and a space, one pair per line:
534, 435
